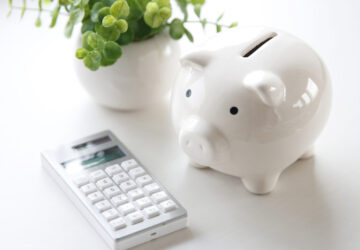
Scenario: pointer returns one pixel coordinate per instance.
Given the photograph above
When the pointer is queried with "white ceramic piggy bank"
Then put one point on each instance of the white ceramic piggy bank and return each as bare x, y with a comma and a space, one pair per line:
249, 103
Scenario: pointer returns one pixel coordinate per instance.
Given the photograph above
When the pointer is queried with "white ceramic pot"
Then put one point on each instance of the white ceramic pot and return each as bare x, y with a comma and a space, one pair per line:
140, 78
249, 103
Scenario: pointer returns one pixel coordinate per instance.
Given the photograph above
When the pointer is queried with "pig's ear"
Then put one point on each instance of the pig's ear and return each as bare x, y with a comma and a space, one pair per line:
198, 59
267, 86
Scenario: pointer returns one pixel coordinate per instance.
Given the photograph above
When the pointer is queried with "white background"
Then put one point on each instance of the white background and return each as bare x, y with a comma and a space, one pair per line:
316, 204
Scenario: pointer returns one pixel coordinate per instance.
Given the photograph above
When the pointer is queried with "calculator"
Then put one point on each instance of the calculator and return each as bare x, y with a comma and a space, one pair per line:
115, 192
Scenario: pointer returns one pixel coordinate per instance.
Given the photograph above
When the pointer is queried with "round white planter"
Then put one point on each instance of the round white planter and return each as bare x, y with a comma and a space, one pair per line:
140, 78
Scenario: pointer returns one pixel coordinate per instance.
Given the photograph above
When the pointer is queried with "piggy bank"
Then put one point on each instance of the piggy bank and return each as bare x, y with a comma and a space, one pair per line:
249, 103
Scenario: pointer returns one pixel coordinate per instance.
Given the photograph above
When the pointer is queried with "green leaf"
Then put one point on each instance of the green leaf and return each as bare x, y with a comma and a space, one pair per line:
112, 50
95, 41
176, 29
103, 12
107, 62
218, 28
197, 10
84, 39
10, 3
234, 24
189, 35
122, 25
54, 16
92, 60
195, 2
137, 8
203, 23
110, 34
109, 21
81, 53
220, 17
87, 25
23, 9
120, 9
38, 21
75, 16
128, 36
183, 7
165, 13
94, 11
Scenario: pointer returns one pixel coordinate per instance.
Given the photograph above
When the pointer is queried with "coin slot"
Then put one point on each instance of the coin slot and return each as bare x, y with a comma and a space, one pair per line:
258, 45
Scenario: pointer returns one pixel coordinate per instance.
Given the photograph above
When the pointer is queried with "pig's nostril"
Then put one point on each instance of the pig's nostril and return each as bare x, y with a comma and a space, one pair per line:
201, 147
187, 143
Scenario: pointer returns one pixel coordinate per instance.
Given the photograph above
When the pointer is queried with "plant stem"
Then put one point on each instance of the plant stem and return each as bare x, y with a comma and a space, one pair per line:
213, 23
36, 9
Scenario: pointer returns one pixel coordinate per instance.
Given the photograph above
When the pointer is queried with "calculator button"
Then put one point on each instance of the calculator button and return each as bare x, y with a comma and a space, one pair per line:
159, 197
143, 180
95, 197
119, 199
136, 194
151, 212
127, 208
88, 188
97, 175
167, 206
143, 202
112, 191
117, 223
104, 183
110, 214
103, 205
127, 186
81, 180
129, 164
120, 178
114, 169
136, 172
152, 188
135, 217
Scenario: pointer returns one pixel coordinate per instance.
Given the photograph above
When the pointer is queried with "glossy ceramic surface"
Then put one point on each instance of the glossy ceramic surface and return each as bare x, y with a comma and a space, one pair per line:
140, 78
249, 103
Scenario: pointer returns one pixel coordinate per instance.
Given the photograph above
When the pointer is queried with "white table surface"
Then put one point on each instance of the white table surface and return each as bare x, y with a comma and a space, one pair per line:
316, 204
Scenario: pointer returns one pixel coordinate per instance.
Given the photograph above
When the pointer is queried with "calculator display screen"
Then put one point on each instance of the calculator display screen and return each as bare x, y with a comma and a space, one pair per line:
94, 159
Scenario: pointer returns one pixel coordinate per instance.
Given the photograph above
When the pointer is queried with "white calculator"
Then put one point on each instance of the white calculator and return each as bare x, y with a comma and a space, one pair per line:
114, 191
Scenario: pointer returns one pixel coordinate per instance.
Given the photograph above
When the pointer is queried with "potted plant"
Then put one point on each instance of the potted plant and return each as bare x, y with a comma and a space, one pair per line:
140, 32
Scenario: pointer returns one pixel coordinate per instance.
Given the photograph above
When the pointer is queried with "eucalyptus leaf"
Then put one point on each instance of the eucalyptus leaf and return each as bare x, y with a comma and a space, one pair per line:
183, 7
220, 17
197, 10
176, 29
38, 21
75, 16
189, 35
54, 16
218, 28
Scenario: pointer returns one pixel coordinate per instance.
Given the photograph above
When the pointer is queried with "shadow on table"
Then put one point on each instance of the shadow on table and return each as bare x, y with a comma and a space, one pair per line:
168, 241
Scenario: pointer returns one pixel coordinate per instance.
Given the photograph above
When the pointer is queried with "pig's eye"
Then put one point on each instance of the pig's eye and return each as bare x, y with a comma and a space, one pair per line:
188, 93
234, 110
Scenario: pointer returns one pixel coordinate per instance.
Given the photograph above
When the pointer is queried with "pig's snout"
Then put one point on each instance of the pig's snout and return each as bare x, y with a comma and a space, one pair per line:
200, 141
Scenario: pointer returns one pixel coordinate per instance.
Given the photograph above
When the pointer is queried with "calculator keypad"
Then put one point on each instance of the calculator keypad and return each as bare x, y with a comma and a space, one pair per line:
124, 194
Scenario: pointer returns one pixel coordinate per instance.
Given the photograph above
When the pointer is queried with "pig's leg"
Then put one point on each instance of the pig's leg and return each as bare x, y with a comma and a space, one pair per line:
308, 154
260, 184
195, 164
